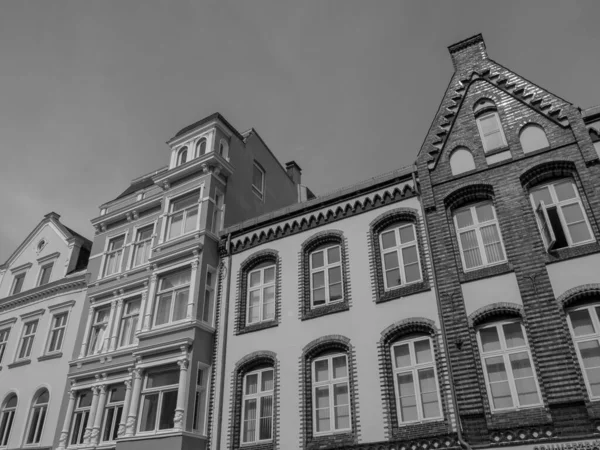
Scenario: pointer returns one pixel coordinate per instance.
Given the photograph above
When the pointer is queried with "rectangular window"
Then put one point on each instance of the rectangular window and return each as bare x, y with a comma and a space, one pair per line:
490, 130
209, 296
584, 323
4, 333
17, 285
129, 322
257, 406
81, 415
114, 255
258, 180
479, 236
326, 276
173, 296
560, 215
58, 327
159, 400
218, 209
200, 402
508, 369
142, 246
331, 394
29, 330
400, 256
113, 412
183, 215
45, 273
261, 295
415, 379
98, 331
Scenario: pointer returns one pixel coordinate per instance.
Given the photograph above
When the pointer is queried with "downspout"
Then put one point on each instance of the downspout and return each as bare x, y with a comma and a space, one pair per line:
225, 318
459, 436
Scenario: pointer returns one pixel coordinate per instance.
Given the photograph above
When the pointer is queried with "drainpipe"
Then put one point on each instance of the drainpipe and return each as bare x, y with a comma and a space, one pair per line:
459, 436
225, 318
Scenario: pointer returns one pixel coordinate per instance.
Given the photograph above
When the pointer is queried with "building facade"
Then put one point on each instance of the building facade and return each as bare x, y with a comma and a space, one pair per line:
141, 376
42, 294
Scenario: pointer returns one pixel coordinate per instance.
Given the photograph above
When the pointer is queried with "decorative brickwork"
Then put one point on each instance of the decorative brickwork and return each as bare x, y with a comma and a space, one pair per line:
468, 193
315, 241
578, 294
546, 171
494, 311
375, 260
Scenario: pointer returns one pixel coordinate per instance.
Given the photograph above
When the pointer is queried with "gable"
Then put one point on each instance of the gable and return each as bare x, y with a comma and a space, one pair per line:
44, 241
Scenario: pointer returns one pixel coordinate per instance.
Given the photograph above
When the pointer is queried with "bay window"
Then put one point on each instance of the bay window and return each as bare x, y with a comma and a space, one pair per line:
584, 323
129, 322
173, 295
113, 412
183, 215
159, 400
400, 255
257, 406
114, 255
326, 275
330, 394
261, 294
81, 414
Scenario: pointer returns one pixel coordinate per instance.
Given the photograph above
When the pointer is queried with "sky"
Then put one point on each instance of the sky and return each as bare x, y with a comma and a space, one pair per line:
90, 91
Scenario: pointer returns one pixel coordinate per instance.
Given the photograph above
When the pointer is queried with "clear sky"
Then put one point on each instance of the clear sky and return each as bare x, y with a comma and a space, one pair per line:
91, 90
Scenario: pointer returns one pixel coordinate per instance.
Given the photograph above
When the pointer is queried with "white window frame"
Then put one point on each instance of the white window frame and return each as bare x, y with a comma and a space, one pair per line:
325, 269
559, 205
258, 396
585, 338
184, 148
4, 336
84, 411
331, 383
108, 253
505, 353
224, 149
169, 213
398, 249
27, 339
477, 228
137, 244
39, 425
61, 329
259, 191
485, 115
16, 276
218, 212
261, 288
200, 420
114, 425
414, 369
209, 290
43, 267
173, 291
128, 316
159, 403
89, 351
197, 147
10, 412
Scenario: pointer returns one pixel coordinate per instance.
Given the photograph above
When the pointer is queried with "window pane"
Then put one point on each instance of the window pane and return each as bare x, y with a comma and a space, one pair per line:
164, 309
495, 368
85, 399
176, 279
318, 279
423, 351
252, 384
590, 353
573, 213
339, 367
470, 248
542, 195
322, 408
388, 239
335, 292
43, 398
501, 395
181, 301
167, 410
249, 434
494, 140
341, 402
270, 274
321, 370
266, 382
335, 275
108, 419
579, 232
191, 220
175, 225
257, 178
166, 378
266, 417
268, 310
491, 242
333, 255
150, 404
317, 260
489, 339
521, 365
32, 427
393, 278
402, 355
565, 190
409, 255
390, 260
489, 123
407, 234
513, 333
412, 273
484, 213
527, 391
117, 393
464, 218
184, 202
581, 322
593, 376
408, 403
340, 395
319, 296
428, 389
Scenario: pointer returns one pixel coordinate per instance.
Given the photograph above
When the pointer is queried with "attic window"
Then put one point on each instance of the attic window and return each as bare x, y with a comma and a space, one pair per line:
182, 156
41, 245
489, 125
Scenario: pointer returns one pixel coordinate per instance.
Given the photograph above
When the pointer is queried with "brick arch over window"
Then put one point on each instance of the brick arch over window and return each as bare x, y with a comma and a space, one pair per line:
469, 193
326, 344
255, 360
495, 311
579, 294
312, 243
252, 261
547, 171
375, 259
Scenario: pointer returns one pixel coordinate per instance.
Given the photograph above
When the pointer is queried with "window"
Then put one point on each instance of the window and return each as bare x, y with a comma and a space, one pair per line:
29, 330
330, 394
129, 322
57, 332
8, 416
159, 400
200, 407
4, 333
533, 138
261, 294
479, 236
326, 275
183, 215
415, 380
173, 295
257, 406
113, 412
585, 329
461, 160
508, 370
560, 215
218, 209
209, 296
258, 180
98, 331
17, 285
37, 417
182, 156
224, 149
201, 147
114, 254
489, 125
81, 415
45, 273
142, 245
400, 255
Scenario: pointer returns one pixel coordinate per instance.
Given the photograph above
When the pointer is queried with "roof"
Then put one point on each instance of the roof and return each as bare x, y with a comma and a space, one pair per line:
136, 186
319, 202
214, 116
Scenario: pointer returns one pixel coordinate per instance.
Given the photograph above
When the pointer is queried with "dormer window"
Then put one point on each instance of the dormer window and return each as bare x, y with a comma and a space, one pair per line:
201, 147
182, 156
489, 125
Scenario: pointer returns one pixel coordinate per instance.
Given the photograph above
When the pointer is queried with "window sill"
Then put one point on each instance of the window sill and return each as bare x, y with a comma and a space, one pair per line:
257, 327
485, 272
402, 291
177, 240
266, 445
48, 356
496, 150
563, 254
22, 362
173, 327
319, 311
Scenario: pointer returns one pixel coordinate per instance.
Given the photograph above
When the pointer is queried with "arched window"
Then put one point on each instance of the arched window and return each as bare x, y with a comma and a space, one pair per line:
182, 156
37, 417
461, 160
224, 149
489, 125
201, 147
7, 418
533, 137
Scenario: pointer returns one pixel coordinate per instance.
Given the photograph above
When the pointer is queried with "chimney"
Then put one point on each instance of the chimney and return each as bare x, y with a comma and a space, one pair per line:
468, 52
294, 172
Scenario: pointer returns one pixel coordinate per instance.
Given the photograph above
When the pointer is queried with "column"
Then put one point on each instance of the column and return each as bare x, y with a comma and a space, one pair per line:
181, 393
115, 326
150, 302
135, 400
64, 434
123, 423
88, 429
193, 295
86, 336
95, 435
111, 318
142, 309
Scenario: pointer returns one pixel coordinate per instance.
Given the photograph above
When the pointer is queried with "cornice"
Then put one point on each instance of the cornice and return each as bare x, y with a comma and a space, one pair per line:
210, 163
129, 212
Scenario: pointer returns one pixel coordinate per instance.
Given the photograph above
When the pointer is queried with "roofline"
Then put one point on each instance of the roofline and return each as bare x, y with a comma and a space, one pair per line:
214, 116
590, 114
